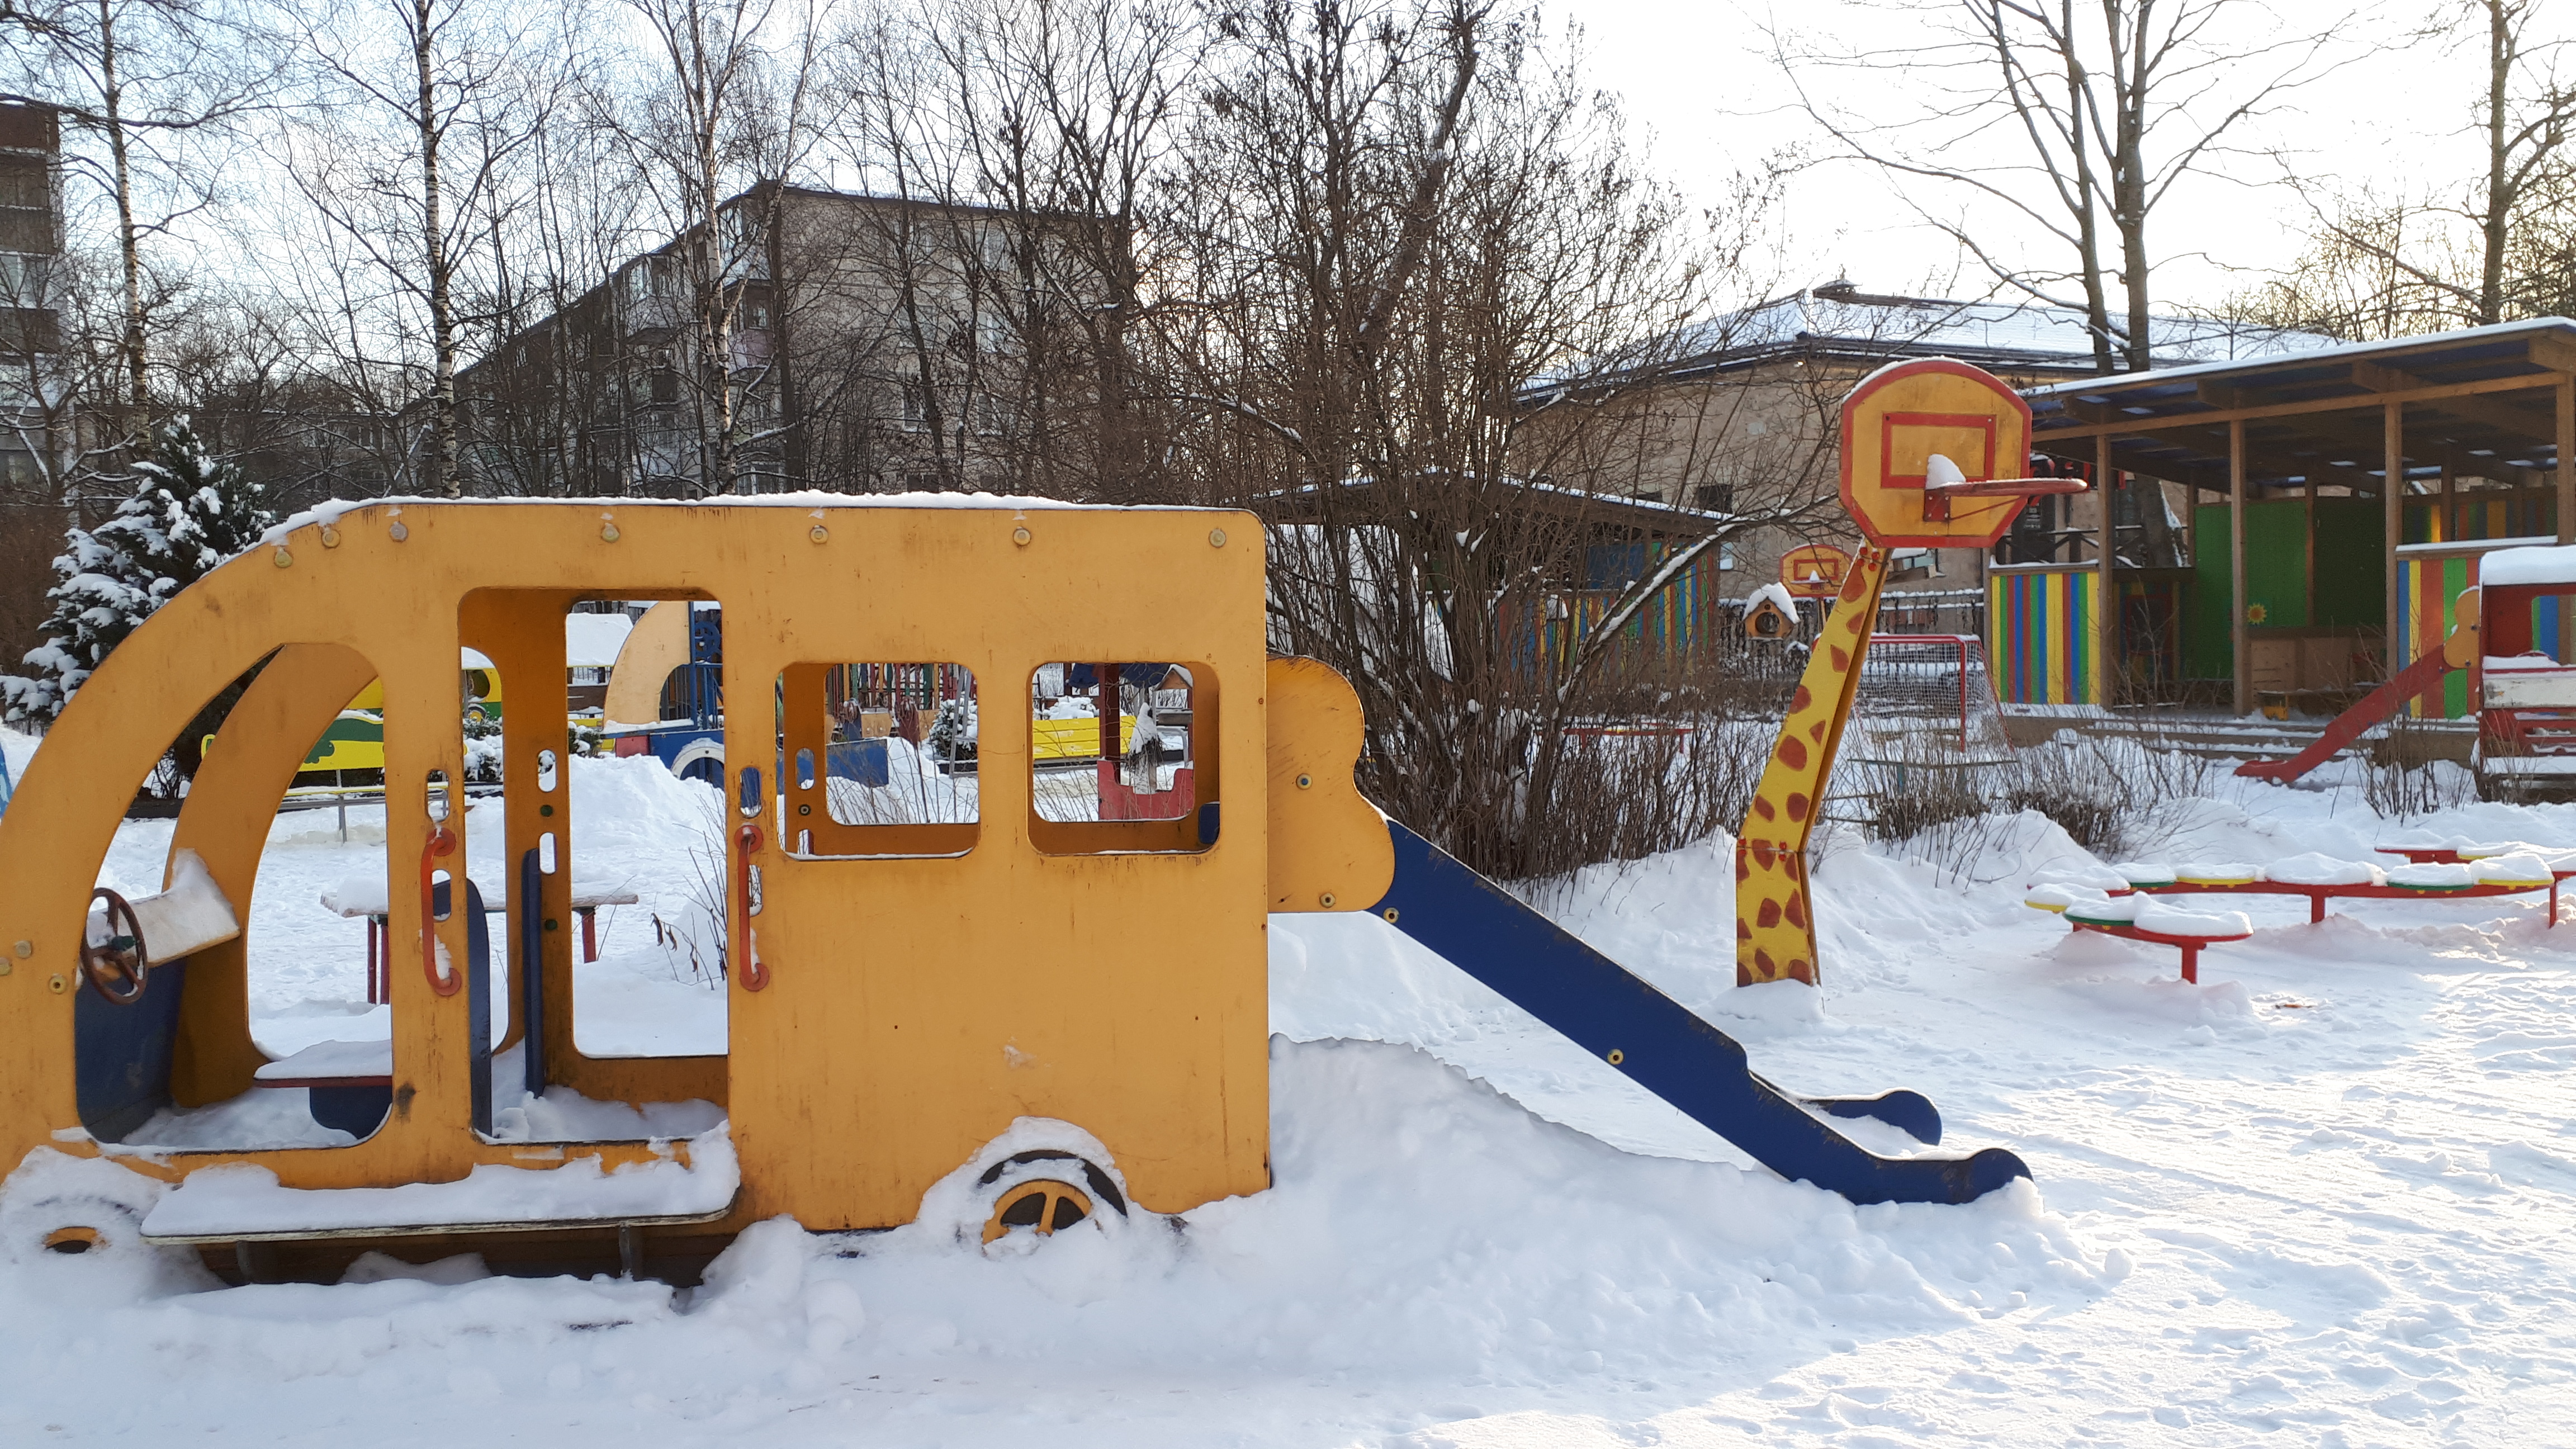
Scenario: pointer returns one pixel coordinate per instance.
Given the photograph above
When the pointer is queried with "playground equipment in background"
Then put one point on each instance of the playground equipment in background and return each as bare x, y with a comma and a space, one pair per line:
1814, 570
1045, 1046
1928, 699
355, 741
6, 785
2525, 698
2470, 872
1767, 616
665, 695
1929, 450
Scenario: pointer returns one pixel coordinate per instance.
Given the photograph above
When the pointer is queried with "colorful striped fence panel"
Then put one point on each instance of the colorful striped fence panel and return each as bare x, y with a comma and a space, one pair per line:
2039, 627
2428, 589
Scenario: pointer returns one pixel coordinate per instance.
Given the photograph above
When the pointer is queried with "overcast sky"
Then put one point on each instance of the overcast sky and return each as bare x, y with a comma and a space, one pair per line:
1696, 74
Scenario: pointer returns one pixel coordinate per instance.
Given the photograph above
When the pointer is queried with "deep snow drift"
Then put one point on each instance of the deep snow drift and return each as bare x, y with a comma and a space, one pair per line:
2322, 1198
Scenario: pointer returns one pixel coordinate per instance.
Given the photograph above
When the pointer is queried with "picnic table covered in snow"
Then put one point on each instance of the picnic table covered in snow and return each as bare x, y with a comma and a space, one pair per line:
365, 894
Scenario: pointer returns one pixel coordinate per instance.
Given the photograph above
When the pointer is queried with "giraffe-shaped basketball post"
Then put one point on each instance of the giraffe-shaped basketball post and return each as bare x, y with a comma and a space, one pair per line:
1931, 450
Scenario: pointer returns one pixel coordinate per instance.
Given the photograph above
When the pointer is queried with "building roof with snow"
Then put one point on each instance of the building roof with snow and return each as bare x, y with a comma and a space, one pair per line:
1839, 323
2477, 400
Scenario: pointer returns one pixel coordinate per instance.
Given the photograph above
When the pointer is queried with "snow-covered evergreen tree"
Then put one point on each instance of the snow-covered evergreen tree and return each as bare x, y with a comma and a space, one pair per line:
189, 512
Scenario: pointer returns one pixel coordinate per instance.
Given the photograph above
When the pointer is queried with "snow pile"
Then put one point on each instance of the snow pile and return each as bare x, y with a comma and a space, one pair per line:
2087, 874
373, 1057
591, 641
2157, 914
2206, 872
2436, 876
2519, 868
2324, 1192
52, 1190
2061, 895
2317, 869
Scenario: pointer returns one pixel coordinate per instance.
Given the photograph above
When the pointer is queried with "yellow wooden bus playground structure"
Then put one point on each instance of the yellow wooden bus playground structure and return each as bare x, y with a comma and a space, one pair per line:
909, 1004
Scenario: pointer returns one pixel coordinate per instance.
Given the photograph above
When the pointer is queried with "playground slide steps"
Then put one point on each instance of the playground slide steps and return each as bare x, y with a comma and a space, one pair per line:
1661, 1045
2215, 736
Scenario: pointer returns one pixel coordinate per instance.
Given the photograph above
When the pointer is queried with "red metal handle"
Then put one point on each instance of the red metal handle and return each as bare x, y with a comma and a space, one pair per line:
442, 842
746, 845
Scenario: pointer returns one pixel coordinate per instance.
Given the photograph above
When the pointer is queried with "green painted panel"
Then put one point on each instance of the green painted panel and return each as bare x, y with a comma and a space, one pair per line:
2206, 649
2276, 563
2350, 590
2352, 579
2455, 685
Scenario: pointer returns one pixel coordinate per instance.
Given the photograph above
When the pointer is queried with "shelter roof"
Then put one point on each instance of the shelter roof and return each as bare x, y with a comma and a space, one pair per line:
2465, 399
1837, 322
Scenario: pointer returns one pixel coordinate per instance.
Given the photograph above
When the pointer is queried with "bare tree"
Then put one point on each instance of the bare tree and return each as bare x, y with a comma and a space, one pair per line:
713, 126
2386, 260
152, 92
409, 151
2078, 122
1414, 258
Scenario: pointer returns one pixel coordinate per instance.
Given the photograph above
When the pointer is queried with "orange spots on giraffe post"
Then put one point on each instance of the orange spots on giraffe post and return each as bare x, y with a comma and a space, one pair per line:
1775, 919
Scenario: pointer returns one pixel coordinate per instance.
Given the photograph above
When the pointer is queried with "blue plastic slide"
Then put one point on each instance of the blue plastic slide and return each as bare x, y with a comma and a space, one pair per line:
1488, 933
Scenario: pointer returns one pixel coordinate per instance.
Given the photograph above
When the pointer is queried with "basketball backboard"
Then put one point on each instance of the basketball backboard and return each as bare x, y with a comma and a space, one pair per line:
1814, 570
1934, 453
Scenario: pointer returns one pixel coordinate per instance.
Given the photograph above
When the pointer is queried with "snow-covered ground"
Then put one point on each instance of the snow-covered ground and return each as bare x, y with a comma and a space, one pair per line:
2323, 1198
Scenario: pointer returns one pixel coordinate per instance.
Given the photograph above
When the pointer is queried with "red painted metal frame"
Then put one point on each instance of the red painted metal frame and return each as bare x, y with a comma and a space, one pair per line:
2190, 944
2318, 895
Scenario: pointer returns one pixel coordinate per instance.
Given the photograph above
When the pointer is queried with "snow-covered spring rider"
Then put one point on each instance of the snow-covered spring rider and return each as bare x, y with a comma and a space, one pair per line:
1039, 1018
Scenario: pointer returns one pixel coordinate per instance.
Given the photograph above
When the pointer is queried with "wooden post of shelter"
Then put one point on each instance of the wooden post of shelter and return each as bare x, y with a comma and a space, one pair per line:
2106, 618
2392, 508
2566, 395
2240, 632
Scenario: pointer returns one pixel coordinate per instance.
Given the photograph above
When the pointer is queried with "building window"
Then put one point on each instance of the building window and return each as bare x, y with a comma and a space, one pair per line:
915, 413
1726, 555
1715, 497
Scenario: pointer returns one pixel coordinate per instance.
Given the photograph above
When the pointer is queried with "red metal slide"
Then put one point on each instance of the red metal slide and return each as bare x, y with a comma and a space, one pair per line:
2379, 704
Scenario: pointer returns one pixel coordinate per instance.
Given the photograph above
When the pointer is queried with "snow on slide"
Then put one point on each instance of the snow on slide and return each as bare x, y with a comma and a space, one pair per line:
1609, 1011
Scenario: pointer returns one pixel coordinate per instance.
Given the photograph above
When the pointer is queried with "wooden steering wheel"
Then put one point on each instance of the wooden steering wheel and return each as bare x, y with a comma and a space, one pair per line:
118, 967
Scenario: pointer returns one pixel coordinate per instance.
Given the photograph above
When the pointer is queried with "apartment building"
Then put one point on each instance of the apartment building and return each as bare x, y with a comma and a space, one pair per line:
815, 339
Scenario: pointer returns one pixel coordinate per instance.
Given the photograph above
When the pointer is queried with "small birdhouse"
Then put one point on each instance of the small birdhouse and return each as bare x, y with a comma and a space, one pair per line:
1767, 620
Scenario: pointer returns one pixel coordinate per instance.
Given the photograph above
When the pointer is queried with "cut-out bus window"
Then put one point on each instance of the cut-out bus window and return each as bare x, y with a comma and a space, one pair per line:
877, 759
1122, 757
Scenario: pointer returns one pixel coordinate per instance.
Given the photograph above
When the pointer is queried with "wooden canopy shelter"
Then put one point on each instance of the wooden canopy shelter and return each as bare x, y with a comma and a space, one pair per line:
2488, 412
